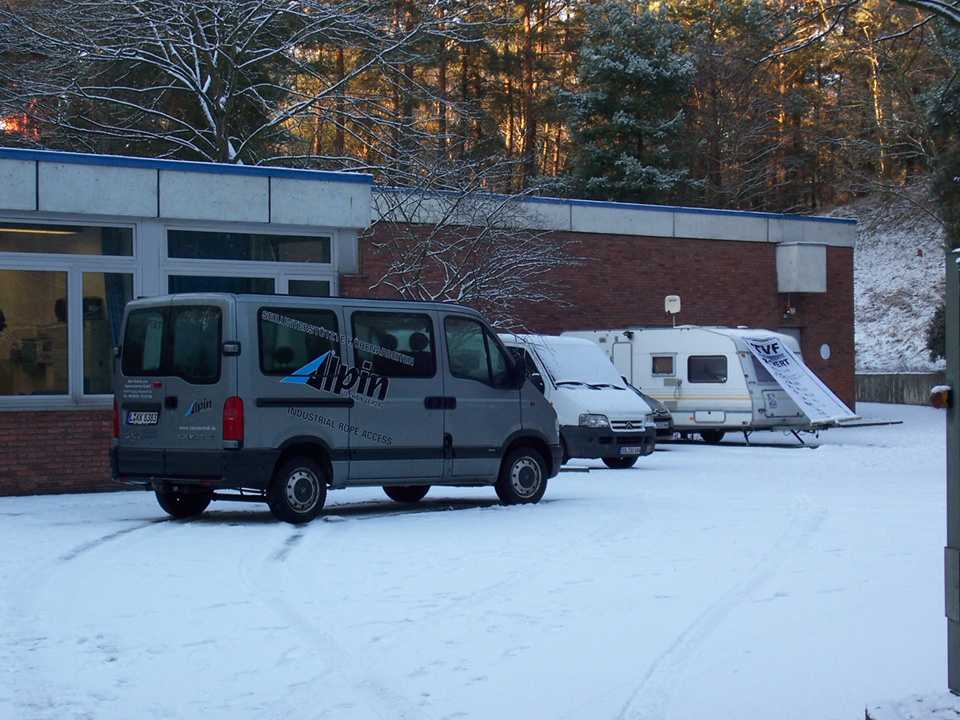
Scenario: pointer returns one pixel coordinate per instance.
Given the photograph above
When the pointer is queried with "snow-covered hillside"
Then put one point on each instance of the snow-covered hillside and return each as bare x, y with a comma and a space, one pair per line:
898, 280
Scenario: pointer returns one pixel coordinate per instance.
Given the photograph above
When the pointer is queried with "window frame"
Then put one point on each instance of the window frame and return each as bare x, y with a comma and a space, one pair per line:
280, 272
74, 266
726, 367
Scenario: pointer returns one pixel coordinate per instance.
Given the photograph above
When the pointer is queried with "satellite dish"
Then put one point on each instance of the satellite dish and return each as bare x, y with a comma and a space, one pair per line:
671, 303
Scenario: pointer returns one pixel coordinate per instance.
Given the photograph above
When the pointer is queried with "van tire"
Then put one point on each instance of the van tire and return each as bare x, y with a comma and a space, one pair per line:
621, 462
406, 493
183, 504
523, 477
298, 491
712, 437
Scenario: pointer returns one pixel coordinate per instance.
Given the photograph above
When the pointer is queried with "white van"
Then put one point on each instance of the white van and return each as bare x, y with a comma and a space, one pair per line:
717, 379
600, 416
276, 398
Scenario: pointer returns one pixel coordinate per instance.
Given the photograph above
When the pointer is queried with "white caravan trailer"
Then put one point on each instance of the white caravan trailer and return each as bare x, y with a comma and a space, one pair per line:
716, 379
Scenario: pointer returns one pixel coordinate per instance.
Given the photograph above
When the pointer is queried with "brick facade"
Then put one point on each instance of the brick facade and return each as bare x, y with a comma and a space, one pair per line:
55, 451
622, 281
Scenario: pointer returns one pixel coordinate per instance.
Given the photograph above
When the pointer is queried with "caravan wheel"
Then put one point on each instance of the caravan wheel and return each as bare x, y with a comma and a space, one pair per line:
712, 437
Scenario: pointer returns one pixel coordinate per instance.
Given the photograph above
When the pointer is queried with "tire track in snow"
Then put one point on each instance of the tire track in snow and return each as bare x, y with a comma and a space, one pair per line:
34, 686
651, 699
267, 574
350, 683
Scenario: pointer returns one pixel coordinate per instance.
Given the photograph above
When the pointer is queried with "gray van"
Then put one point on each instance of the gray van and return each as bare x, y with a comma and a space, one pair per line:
276, 398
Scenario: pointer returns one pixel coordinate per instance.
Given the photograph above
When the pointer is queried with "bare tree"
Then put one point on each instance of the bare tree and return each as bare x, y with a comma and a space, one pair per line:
221, 80
489, 251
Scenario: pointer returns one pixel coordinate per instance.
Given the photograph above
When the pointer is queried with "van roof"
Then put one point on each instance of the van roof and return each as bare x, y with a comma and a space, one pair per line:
334, 300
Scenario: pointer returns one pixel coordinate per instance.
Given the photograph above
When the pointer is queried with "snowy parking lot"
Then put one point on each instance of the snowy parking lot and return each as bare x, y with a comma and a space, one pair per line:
706, 583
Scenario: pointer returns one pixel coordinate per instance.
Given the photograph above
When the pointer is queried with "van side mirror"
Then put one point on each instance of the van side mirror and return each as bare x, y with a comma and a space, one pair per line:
537, 380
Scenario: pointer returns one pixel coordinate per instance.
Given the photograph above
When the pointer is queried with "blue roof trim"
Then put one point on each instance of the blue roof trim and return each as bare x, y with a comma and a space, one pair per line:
640, 206
183, 165
691, 210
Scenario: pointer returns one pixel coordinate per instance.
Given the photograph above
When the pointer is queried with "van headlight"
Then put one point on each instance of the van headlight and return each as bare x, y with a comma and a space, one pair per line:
593, 420
649, 421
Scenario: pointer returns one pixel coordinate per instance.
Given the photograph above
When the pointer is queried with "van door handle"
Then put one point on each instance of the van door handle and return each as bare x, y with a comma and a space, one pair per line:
438, 402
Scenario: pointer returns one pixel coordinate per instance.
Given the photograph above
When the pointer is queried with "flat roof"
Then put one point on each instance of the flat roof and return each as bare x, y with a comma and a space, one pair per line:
183, 165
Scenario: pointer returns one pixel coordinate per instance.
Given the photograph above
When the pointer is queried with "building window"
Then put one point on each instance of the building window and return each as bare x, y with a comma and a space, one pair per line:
215, 283
33, 339
65, 239
63, 287
255, 247
104, 296
309, 288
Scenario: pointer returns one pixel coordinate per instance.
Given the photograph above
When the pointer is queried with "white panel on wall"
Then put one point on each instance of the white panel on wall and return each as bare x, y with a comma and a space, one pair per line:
97, 189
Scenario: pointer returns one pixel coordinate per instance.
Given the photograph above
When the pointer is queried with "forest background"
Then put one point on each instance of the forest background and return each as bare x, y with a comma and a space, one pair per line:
763, 105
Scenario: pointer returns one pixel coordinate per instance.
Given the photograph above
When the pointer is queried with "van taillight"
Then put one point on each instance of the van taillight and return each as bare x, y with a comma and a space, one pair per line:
233, 419
116, 421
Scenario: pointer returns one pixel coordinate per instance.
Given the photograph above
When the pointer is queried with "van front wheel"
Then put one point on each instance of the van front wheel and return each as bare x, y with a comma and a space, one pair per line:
523, 477
298, 491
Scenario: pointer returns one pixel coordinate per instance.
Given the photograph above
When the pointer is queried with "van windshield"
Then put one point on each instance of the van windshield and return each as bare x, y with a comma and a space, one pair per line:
574, 363
177, 341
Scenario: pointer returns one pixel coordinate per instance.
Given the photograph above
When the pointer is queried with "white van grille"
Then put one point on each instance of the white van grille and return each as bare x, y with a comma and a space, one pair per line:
627, 425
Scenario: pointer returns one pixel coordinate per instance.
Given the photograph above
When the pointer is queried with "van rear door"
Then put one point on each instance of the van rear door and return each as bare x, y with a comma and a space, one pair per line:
174, 381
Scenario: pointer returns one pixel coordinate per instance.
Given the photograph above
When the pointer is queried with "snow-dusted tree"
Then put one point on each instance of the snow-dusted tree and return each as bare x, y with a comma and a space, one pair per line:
225, 80
452, 240
627, 106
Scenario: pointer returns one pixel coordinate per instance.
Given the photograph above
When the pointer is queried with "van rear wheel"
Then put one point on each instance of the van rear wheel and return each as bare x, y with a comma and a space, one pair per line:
406, 493
523, 477
183, 504
298, 491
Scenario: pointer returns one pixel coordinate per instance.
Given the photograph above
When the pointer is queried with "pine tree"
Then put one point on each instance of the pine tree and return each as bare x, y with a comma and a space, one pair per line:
627, 107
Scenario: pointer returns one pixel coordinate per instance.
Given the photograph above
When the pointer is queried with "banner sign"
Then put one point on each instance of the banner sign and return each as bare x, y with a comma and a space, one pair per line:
813, 397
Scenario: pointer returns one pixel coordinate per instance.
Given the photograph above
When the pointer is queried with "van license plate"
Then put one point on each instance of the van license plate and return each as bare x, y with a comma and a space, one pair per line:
142, 418
631, 450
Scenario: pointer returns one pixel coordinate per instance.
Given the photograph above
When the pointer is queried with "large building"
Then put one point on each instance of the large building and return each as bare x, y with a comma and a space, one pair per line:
82, 234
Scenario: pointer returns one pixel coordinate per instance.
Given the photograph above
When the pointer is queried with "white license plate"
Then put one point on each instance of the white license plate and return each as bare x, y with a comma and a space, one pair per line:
662, 424
142, 418
631, 450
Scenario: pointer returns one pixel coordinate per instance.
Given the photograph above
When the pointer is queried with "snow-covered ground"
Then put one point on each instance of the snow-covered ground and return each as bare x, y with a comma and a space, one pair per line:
706, 583
898, 279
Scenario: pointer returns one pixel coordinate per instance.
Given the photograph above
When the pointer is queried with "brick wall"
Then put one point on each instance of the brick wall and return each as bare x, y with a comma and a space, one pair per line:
622, 280
55, 451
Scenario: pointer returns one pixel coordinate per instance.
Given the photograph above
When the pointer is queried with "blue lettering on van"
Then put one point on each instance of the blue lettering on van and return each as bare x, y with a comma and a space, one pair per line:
198, 407
328, 374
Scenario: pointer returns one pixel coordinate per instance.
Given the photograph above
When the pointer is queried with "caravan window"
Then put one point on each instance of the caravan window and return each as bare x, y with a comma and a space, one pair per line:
707, 369
763, 375
662, 365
